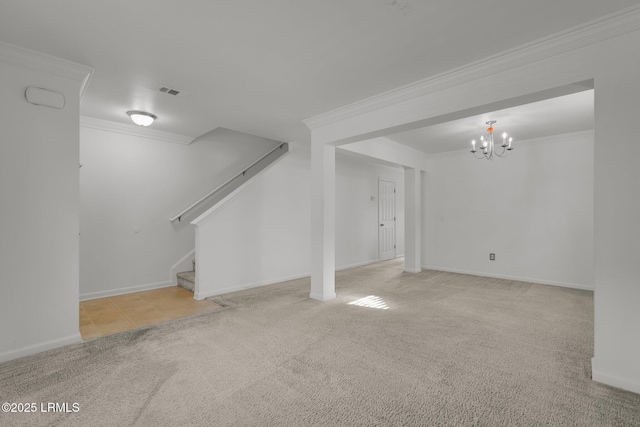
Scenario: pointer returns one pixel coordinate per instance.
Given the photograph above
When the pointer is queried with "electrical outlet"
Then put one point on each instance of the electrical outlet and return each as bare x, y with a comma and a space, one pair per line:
492, 257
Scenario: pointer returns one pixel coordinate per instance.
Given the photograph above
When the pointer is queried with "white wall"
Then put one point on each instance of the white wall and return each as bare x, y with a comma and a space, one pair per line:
262, 235
533, 209
617, 229
129, 188
607, 52
357, 215
38, 205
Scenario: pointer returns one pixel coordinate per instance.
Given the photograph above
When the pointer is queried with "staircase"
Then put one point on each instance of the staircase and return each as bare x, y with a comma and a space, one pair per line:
187, 279
203, 207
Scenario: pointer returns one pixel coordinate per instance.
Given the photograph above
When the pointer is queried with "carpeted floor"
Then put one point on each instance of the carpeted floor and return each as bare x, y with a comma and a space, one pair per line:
448, 350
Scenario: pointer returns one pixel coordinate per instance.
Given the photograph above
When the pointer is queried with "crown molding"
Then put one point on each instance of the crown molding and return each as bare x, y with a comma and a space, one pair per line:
561, 137
133, 130
46, 63
592, 32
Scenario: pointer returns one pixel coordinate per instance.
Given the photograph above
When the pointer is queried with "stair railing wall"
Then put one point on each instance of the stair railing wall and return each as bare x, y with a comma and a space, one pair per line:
284, 147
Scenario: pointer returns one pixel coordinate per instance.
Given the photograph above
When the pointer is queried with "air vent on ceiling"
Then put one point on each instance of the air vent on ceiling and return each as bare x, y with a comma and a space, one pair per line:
171, 91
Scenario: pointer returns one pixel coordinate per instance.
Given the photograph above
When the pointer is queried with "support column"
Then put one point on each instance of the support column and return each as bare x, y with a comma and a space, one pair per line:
323, 222
412, 220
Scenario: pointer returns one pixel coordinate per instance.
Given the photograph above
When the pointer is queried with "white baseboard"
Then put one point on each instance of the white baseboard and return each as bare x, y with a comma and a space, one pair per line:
322, 297
518, 278
122, 291
40, 347
359, 264
202, 295
624, 384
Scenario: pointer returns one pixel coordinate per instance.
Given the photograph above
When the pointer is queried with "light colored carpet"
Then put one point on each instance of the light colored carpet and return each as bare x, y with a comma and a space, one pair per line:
450, 350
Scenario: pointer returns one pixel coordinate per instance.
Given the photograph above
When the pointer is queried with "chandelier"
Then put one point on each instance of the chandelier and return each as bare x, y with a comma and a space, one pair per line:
487, 148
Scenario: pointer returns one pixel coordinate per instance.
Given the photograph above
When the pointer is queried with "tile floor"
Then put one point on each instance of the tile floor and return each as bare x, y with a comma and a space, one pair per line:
106, 316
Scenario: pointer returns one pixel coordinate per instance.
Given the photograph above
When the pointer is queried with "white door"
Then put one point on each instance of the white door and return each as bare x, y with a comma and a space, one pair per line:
386, 219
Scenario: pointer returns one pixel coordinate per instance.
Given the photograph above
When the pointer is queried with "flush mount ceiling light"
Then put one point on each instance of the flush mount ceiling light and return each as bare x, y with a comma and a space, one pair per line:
487, 147
141, 118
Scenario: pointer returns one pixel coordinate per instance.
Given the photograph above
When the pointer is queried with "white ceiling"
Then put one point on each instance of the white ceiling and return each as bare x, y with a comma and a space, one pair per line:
262, 67
569, 113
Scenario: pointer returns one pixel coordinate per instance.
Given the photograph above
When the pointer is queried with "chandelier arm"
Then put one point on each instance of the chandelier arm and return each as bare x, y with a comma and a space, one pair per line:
487, 144
503, 153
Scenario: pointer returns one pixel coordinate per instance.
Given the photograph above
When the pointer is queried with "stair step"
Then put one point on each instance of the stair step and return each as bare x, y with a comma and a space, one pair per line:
187, 280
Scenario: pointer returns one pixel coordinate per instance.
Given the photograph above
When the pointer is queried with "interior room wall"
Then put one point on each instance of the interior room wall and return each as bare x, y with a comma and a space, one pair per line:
608, 53
357, 213
38, 207
129, 188
533, 210
262, 235
617, 229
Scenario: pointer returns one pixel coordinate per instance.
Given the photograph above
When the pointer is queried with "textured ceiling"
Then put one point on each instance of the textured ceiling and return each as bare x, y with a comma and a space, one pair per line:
262, 67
